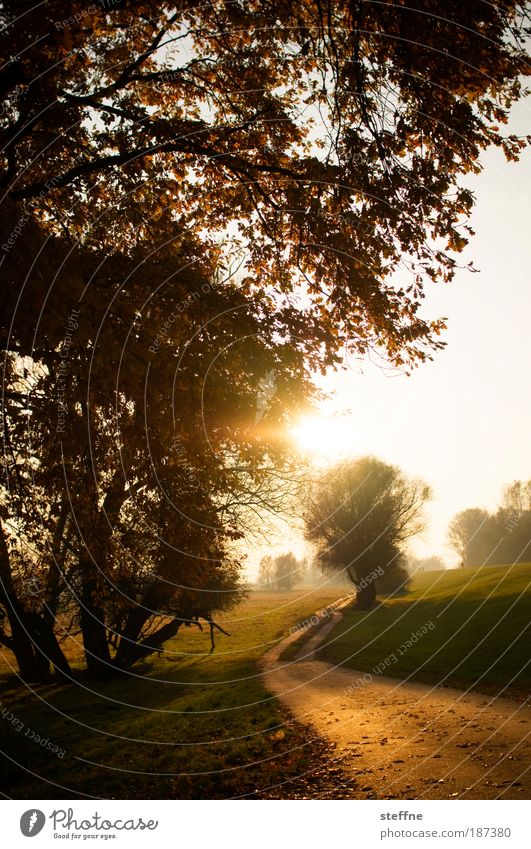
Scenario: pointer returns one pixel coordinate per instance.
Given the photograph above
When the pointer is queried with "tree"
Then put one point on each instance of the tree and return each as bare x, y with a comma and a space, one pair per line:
266, 572
123, 505
516, 497
332, 134
287, 572
482, 538
280, 573
513, 518
472, 533
434, 563
360, 517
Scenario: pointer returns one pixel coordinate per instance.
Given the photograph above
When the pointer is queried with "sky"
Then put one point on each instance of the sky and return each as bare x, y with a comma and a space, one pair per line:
461, 422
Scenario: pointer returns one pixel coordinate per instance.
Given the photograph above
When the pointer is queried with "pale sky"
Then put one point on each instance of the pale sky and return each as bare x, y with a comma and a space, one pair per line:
461, 422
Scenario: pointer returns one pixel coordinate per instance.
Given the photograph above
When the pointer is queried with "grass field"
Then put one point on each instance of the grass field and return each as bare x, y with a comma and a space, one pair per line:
194, 725
187, 725
480, 635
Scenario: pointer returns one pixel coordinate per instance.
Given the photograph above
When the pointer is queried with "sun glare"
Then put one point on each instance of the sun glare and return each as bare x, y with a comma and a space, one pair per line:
325, 439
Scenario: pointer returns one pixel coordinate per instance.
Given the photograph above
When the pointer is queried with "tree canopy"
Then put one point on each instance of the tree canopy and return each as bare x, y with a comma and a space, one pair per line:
326, 139
133, 456
482, 538
360, 516
280, 573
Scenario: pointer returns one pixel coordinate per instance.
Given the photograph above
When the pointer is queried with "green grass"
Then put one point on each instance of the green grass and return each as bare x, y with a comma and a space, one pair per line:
480, 637
205, 720
194, 725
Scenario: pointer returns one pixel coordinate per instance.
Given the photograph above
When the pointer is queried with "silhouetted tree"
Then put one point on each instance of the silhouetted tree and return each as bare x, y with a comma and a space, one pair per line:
334, 134
266, 572
130, 457
287, 572
360, 517
472, 536
280, 573
489, 539
434, 563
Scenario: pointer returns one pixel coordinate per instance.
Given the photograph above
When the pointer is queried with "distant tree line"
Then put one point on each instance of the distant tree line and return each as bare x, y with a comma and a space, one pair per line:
433, 563
281, 573
481, 538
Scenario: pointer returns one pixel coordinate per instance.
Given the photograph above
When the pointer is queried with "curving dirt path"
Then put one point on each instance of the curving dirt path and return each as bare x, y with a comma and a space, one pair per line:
397, 739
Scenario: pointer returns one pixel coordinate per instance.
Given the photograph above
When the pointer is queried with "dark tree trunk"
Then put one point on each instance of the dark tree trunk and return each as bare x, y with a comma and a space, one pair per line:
366, 595
151, 644
31, 665
95, 643
128, 649
131, 648
46, 643
136, 619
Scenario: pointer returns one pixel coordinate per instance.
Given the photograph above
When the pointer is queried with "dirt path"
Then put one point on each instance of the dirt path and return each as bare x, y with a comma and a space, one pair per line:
406, 740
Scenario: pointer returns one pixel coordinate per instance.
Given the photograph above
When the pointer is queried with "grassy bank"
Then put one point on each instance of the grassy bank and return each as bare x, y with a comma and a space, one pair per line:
479, 636
187, 725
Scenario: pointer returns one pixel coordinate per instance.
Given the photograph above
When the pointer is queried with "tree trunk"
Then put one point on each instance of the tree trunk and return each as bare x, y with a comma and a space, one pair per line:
127, 654
95, 643
31, 665
153, 643
366, 595
46, 642
129, 649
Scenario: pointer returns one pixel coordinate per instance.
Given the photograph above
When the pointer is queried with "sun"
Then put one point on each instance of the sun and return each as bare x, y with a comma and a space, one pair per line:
324, 439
